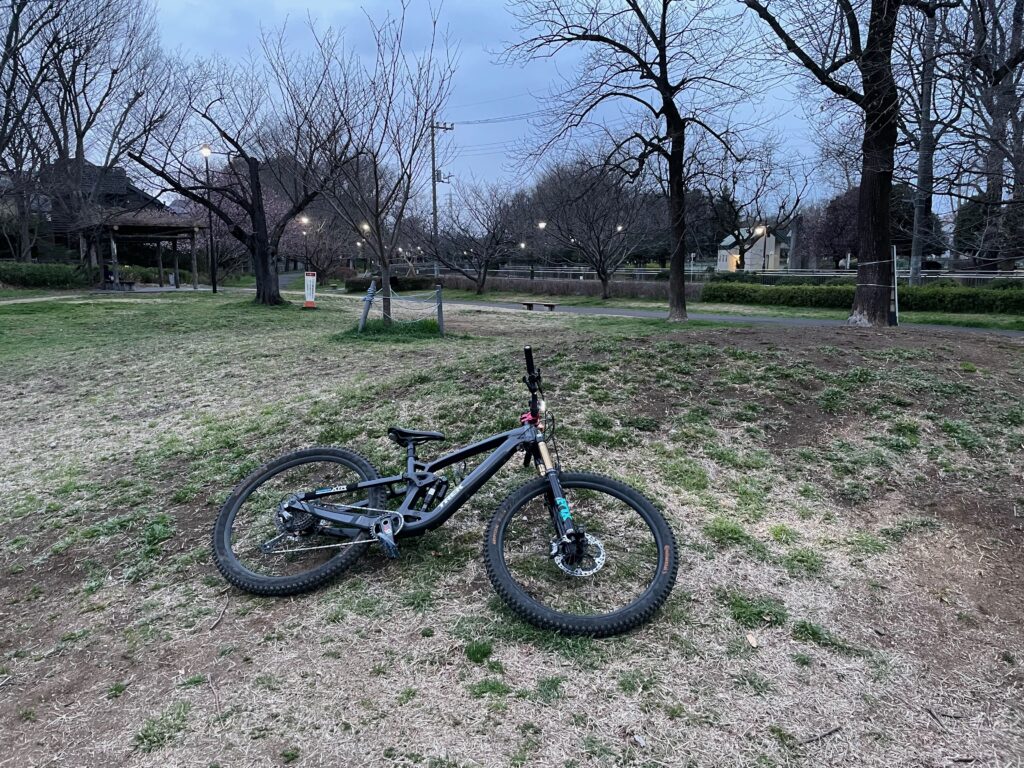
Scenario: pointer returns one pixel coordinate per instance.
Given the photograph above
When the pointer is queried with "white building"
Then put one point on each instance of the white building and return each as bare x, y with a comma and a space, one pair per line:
762, 251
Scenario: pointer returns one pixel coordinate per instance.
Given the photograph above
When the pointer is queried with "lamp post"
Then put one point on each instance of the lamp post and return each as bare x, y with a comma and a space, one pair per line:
205, 151
304, 221
359, 251
763, 231
541, 225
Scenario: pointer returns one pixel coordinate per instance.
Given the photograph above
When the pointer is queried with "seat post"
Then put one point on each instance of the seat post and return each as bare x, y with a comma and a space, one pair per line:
410, 461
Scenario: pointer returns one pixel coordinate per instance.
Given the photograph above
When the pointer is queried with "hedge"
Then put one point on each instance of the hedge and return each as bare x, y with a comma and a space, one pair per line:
398, 283
919, 299
25, 275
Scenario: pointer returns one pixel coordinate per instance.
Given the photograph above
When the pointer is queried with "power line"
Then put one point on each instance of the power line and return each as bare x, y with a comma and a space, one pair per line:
504, 119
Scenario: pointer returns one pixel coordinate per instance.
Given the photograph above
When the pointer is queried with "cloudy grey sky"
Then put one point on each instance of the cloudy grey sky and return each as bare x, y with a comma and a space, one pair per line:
482, 90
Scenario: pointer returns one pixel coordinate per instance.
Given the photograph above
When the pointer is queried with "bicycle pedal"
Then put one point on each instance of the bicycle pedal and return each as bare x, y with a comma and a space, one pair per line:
385, 531
390, 549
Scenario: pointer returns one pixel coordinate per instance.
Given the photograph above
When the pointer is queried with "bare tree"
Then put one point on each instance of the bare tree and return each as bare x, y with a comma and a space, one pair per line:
930, 79
104, 92
675, 64
594, 215
479, 232
848, 48
403, 92
279, 120
755, 189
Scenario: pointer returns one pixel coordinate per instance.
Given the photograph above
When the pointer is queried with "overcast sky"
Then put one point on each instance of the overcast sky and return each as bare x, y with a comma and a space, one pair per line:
483, 89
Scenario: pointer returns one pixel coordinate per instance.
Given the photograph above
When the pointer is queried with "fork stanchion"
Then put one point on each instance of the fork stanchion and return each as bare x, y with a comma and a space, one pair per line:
367, 302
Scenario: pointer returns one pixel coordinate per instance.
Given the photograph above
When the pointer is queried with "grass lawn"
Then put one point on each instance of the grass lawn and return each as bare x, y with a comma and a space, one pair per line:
846, 503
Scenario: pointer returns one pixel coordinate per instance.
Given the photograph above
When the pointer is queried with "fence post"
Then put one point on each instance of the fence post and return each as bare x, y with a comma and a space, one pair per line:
895, 320
440, 308
367, 301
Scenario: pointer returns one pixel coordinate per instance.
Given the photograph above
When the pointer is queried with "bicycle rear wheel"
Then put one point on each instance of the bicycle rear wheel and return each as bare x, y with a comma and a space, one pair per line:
619, 582
259, 551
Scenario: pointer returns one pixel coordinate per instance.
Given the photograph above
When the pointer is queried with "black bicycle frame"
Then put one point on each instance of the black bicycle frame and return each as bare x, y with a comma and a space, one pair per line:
419, 475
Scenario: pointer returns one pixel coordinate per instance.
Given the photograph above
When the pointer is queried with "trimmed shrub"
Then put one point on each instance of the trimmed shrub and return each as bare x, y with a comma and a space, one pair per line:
24, 275
919, 299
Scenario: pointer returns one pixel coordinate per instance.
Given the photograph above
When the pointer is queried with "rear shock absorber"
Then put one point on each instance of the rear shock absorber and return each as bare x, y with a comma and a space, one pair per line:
435, 495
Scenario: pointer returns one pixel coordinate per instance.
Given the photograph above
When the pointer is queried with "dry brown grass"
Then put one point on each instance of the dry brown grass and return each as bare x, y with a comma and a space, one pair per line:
151, 429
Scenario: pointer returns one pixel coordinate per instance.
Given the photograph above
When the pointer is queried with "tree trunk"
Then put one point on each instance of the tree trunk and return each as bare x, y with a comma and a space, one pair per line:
264, 260
677, 217
385, 290
481, 281
605, 294
24, 231
881, 108
925, 154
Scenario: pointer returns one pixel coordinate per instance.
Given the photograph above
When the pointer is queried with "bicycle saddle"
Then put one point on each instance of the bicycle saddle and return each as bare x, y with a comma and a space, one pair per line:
412, 436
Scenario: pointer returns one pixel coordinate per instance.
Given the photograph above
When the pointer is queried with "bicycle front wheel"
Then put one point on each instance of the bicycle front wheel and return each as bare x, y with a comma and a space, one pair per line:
620, 580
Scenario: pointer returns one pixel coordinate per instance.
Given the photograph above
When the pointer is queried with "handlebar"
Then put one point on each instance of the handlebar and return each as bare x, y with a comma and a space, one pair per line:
532, 381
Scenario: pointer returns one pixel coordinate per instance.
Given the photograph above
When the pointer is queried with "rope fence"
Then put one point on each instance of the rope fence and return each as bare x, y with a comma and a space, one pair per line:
420, 306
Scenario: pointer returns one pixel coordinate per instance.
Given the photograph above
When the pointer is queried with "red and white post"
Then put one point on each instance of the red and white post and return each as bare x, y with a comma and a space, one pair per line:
310, 291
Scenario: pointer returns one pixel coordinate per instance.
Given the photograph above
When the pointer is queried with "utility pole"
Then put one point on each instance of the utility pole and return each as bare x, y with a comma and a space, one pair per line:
435, 176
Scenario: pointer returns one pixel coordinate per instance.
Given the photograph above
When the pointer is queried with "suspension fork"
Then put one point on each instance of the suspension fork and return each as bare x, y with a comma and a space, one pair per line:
561, 515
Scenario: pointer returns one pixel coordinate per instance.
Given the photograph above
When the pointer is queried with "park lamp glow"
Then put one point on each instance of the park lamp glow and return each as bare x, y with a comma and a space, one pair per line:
304, 220
541, 224
522, 246
205, 150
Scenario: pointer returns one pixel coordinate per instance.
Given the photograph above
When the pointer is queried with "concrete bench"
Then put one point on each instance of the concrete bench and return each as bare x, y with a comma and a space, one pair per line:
529, 305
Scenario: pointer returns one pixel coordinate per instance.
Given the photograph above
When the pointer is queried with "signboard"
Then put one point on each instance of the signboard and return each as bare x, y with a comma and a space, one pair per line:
310, 291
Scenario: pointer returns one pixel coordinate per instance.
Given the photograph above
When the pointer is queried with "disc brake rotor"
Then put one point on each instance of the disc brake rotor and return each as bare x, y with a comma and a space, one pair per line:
589, 563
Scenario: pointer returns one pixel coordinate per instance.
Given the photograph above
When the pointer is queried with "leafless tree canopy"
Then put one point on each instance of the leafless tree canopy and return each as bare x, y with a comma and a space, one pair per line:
403, 92
594, 214
280, 125
673, 68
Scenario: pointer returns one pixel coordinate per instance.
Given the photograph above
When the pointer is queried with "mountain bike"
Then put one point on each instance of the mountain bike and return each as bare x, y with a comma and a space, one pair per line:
574, 552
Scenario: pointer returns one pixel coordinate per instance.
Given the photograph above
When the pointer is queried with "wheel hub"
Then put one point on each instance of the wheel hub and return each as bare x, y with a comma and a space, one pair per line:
292, 522
581, 557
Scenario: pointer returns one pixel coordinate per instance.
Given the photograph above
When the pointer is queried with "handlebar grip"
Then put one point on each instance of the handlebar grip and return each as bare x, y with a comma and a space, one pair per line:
529, 360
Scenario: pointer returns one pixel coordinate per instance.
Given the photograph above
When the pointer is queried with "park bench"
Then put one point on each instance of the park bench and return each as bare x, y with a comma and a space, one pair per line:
529, 305
119, 285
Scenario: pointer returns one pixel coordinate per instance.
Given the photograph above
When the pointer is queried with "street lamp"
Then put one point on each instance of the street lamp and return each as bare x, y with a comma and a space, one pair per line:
618, 227
542, 225
305, 248
762, 231
206, 151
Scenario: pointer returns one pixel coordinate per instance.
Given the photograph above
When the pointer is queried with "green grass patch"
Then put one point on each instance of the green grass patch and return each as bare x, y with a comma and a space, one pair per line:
489, 687
809, 632
479, 651
803, 561
754, 610
159, 731
396, 332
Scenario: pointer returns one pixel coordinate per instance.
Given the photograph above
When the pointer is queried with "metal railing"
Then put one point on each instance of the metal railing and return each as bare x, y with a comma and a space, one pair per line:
699, 273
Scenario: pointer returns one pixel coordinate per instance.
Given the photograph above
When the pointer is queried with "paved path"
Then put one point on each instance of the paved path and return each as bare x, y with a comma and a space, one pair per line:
795, 322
